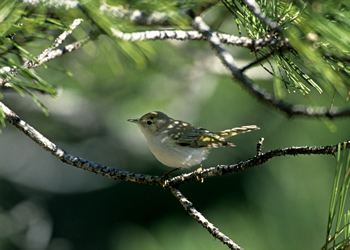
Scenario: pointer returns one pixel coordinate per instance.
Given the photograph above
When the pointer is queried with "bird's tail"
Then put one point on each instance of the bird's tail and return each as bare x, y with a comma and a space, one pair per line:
234, 131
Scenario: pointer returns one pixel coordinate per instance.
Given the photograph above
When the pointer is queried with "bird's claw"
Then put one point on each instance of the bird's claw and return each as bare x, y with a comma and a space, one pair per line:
165, 180
197, 172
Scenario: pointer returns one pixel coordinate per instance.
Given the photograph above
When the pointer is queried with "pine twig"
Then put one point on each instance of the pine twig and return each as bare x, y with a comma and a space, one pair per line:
47, 55
255, 8
258, 61
260, 93
42, 58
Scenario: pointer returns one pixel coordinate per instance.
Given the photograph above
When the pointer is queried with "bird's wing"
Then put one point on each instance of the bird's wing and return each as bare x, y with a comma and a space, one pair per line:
196, 137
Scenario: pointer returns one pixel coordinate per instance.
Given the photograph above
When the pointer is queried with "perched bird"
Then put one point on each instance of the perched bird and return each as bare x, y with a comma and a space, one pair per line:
179, 144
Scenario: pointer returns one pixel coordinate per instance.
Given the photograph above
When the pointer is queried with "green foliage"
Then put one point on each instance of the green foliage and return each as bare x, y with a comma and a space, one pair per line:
321, 37
318, 58
19, 27
337, 225
120, 18
179, 81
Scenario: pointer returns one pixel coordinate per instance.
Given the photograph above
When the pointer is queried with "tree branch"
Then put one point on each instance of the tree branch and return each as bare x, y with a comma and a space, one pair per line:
117, 174
260, 93
173, 183
252, 44
78, 162
57, 53
112, 173
59, 40
259, 159
192, 211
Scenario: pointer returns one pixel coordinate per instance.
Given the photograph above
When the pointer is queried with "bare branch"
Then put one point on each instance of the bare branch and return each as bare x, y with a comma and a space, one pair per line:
74, 160
260, 93
156, 180
174, 182
60, 39
257, 160
252, 44
57, 53
49, 53
192, 211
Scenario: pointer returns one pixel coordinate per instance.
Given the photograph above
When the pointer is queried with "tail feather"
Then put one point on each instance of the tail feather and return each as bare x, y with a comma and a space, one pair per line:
234, 131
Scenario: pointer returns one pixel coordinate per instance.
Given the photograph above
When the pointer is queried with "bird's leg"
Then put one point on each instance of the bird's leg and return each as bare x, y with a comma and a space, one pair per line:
165, 177
198, 170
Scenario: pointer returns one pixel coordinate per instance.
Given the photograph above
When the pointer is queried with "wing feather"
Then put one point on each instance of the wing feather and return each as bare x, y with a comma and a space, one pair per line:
187, 135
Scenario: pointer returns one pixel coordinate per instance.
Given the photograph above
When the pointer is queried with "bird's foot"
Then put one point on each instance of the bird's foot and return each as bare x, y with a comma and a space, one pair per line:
165, 179
197, 172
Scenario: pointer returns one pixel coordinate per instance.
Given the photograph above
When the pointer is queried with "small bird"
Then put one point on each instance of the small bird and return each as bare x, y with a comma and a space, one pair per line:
179, 144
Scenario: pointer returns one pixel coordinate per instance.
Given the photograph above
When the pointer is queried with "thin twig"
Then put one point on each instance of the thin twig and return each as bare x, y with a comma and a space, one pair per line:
59, 40
57, 53
259, 146
260, 93
330, 109
192, 211
258, 61
47, 55
14, 71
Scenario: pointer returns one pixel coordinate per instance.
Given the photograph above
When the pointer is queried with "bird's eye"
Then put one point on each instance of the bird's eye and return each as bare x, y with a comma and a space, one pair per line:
149, 123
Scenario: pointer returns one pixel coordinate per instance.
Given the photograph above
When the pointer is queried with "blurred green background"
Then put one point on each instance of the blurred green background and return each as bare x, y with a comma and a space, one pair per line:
46, 204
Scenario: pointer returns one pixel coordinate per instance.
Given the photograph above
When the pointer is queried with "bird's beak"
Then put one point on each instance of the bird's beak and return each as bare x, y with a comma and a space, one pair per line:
133, 120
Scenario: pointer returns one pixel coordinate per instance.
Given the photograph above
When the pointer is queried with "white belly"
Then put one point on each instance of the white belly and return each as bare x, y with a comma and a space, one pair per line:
175, 156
